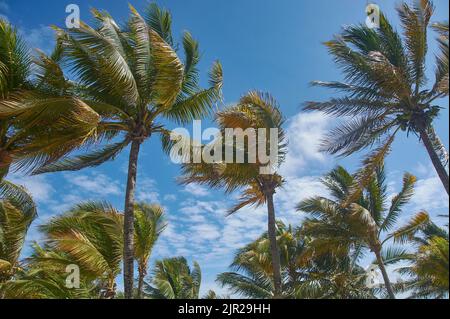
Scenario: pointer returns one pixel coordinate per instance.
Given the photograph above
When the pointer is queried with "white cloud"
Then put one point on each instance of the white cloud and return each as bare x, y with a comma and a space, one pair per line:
430, 194
205, 231
196, 190
147, 190
293, 192
170, 197
38, 186
304, 132
95, 183
66, 202
42, 37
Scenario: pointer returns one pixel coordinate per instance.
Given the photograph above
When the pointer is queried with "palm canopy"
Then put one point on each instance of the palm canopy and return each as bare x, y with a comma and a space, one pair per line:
17, 212
148, 225
304, 275
339, 227
385, 89
255, 110
14, 60
172, 278
132, 77
90, 235
43, 284
44, 276
344, 228
37, 124
428, 271
252, 275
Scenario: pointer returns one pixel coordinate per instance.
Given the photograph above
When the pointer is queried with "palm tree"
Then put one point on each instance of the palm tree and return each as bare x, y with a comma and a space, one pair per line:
385, 90
90, 236
342, 228
428, 273
255, 111
149, 224
14, 61
43, 275
37, 124
172, 278
253, 268
42, 284
17, 211
305, 276
137, 80
211, 294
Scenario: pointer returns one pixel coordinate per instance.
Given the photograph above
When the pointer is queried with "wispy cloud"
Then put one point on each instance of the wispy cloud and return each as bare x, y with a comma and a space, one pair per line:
42, 37
38, 186
196, 190
304, 132
147, 190
95, 183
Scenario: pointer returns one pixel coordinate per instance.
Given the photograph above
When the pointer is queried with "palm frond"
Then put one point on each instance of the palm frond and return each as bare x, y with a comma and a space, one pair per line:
95, 158
415, 22
405, 233
398, 201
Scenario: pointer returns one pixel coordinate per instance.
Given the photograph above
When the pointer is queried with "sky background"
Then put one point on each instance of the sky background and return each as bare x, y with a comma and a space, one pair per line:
268, 45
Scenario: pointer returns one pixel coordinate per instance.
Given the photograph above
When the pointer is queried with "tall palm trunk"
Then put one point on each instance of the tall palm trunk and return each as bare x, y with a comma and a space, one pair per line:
142, 273
387, 282
274, 251
440, 169
128, 225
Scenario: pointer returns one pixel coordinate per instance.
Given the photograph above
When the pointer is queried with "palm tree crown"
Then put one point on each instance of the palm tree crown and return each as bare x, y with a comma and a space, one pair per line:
343, 228
385, 89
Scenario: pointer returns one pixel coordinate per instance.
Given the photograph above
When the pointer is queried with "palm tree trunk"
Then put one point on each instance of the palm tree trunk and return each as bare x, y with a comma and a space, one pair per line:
440, 169
274, 251
142, 274
128, 226
387, 282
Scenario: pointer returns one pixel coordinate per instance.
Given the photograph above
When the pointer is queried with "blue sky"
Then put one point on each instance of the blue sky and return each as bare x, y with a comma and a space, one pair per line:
269, 45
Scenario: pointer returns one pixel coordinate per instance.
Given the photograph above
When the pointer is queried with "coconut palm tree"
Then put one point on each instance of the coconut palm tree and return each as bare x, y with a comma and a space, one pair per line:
211, 294
343, 228
305, 276
257, 176
17, 211
42, 284
428, 272
14, 61
172, 278
385, 90
90, 236
43, 275
252, 275
37, 123
148, 225
137, 80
